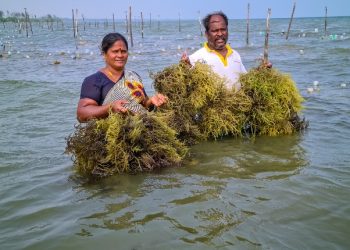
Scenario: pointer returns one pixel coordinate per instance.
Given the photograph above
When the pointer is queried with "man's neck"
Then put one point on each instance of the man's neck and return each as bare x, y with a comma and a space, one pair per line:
222, 51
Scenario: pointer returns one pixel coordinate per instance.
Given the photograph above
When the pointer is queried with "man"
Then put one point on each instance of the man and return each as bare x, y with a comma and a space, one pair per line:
225, 61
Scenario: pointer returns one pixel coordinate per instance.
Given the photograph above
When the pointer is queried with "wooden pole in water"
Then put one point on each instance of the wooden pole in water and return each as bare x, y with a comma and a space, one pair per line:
158, 23
126, 22
130, 28
200, 22
82, 16
290, 21
73, 23
141, 25
26, 20
266, 47
51, 24
30, 23
76, 23
248, 10
113, 23
325, 21
179, 22
150, 20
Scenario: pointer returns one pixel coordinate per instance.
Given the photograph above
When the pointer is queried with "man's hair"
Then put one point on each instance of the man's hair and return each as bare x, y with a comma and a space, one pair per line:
206, 19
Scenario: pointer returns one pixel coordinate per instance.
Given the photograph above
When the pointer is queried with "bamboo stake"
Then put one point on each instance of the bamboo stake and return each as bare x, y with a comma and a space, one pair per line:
76, 23
126, 22
266, 47
130, 28
200, 22
290, 21
30, 24
82, 16
141, 25
73, 24
26, 20
113, 23
158, 23
325, 21
51, 24
19, 27
150, 20
248, 10
179, 22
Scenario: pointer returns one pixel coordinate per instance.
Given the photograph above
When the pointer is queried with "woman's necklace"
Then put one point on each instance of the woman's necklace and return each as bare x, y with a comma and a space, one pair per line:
111, 76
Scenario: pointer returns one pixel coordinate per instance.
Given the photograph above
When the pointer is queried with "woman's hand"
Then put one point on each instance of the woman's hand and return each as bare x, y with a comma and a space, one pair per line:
118, 106
158, 100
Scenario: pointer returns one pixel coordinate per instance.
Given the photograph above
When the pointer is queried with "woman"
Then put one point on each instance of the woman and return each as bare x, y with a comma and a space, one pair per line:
113, 87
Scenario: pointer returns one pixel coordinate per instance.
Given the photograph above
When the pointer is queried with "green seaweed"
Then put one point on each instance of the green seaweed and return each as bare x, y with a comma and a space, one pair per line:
124, 144
200, 107
276, 102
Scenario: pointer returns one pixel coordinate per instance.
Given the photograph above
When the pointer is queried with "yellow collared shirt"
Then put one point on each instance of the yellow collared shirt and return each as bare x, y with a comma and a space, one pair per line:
229, 67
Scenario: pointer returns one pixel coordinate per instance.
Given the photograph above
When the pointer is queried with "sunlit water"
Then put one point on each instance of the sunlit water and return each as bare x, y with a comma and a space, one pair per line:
286, 192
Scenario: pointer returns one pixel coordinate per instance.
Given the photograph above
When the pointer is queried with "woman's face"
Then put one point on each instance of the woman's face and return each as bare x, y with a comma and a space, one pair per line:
117, 55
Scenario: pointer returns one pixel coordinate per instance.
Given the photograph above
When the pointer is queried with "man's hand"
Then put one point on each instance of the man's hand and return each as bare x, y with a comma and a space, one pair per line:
267, 65
185, 58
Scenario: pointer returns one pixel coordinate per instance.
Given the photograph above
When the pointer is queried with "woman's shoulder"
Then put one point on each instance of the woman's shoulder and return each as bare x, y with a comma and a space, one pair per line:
95, 76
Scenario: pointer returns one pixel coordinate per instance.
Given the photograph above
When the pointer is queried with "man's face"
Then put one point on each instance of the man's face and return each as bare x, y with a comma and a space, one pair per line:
217, 34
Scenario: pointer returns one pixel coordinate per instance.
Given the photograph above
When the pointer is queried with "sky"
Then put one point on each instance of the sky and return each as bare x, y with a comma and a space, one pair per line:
173, 9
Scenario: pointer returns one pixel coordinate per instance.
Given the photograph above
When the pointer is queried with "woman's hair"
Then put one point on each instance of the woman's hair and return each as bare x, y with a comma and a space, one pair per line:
110, 39
206, 19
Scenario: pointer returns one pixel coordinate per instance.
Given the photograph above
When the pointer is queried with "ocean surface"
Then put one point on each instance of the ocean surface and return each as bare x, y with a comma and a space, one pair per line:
284, 192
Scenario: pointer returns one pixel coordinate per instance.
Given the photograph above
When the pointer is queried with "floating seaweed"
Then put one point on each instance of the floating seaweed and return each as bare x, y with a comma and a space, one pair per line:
124, 144
200, 107
276, 102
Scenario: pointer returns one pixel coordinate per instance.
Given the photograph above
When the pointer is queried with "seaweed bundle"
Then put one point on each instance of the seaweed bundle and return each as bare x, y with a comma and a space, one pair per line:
119, 143
200, 107
276, 102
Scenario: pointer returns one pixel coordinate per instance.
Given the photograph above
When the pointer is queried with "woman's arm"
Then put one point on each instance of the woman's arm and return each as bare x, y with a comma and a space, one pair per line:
89, 109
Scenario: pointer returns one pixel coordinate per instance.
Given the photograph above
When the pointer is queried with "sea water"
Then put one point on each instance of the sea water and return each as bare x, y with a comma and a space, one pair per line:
284, 192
